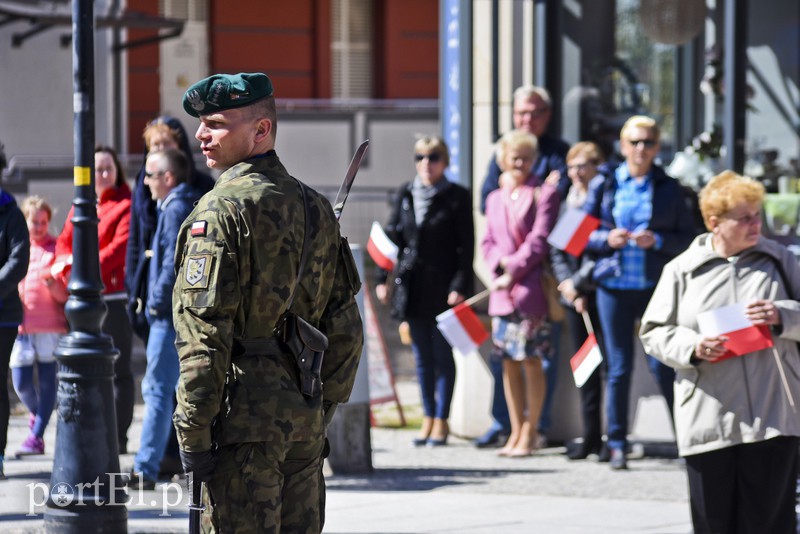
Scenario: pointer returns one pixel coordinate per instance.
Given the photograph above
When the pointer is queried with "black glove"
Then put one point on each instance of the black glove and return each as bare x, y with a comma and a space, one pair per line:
200, 464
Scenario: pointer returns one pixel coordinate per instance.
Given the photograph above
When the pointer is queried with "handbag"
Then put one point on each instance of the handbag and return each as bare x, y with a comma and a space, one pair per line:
555, 310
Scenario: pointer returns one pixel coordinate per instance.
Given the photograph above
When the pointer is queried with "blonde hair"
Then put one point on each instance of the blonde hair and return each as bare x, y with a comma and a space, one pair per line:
435, 145
515, 140
640, 121
160, 126
588, 150
727, 190
34, 203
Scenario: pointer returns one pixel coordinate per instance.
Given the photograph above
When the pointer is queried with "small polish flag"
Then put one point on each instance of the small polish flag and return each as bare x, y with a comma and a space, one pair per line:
381, 249
586, 360
571, 232
730, 321
462, 328
199, 228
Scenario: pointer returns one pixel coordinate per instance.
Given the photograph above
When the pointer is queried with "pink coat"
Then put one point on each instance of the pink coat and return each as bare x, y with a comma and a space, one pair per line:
43, 313
517, 229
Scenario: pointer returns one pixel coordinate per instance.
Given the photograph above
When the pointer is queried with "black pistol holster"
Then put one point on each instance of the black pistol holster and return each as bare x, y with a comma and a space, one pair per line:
307, 345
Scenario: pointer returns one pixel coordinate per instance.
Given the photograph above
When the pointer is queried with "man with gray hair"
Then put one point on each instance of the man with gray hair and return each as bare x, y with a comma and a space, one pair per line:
166, 175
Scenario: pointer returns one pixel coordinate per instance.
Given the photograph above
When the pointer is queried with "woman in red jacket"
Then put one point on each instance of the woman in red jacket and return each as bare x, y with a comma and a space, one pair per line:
113, 212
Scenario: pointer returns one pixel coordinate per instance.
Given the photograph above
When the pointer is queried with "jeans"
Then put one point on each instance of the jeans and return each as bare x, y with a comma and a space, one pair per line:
7, 336
158, 392
618, 311
550, 366
436, 369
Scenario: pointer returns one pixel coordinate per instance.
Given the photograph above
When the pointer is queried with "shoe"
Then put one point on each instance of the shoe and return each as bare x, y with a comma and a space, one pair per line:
137, 481
618, 460
424, 432
494, 437
30, 447
604, 456
419, 442
582, 451
170, 466
520, 452
439, 433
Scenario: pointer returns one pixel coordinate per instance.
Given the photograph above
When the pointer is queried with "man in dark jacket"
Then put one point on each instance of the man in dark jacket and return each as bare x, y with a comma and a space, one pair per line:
14, 256
160, 134
165, 175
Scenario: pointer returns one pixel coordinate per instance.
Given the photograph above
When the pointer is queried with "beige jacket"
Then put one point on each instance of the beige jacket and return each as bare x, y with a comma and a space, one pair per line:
738, 400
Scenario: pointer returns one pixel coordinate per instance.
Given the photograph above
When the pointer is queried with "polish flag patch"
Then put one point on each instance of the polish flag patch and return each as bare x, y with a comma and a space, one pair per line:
199, 228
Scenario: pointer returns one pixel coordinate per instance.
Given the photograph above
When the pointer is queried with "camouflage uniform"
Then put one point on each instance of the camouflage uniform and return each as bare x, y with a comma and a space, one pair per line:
238, 253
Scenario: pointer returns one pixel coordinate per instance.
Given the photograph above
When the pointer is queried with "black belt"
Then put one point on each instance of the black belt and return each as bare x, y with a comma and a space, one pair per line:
257, 346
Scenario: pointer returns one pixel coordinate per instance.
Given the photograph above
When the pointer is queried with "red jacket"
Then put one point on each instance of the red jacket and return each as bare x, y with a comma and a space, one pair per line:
114, 214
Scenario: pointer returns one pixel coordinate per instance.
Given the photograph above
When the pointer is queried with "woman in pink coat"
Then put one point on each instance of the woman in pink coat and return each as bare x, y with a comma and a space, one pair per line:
519, 217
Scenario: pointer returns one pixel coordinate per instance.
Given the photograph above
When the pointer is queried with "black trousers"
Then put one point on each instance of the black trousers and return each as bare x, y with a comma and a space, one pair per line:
591, 393
745, 489
7, 336
117, 326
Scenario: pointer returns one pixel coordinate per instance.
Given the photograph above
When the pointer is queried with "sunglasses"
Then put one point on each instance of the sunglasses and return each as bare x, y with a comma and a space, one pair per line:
648, 143
151, 174
433, 158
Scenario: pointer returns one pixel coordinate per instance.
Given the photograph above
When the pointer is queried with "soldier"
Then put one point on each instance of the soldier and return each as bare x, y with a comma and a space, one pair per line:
245, 425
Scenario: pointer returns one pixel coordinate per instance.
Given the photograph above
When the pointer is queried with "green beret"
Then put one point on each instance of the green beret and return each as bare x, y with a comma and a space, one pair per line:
226, 91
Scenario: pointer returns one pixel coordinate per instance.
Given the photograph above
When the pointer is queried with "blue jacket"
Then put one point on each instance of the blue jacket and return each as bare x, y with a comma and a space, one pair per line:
143, 224
673, 218
15, 249
161, 278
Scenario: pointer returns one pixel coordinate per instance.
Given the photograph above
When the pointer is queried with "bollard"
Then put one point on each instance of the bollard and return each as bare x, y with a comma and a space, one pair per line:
349, 433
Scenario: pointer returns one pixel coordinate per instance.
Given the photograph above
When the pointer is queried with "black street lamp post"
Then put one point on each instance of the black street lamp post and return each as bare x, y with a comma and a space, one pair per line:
85, 485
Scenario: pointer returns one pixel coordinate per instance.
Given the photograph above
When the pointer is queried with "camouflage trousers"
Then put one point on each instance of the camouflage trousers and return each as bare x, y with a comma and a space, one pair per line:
259, 488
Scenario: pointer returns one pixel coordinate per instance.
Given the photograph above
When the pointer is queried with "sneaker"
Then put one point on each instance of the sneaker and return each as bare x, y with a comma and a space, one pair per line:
30, 447
618, 460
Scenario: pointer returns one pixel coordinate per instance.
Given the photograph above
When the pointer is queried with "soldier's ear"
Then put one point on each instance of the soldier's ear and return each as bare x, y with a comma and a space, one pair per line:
263, 129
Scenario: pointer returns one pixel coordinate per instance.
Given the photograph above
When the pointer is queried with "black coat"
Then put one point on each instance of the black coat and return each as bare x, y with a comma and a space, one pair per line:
435, 258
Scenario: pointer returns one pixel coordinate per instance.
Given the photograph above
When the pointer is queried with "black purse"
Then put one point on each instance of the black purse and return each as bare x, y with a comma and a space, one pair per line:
303, 341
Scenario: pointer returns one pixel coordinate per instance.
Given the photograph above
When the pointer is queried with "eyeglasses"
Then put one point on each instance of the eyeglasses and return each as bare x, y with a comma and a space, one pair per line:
749, 219
433, 158
582, 166
648, 143
536, 113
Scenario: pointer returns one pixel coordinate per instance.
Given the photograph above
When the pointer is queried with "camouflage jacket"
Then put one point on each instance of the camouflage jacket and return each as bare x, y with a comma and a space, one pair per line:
237, 257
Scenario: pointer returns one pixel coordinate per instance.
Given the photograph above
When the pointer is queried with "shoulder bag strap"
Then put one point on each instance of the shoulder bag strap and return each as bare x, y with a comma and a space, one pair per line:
304, 251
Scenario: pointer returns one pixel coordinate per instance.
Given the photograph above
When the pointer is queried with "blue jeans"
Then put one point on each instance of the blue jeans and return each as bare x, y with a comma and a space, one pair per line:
436, 369
158, 391
618, 311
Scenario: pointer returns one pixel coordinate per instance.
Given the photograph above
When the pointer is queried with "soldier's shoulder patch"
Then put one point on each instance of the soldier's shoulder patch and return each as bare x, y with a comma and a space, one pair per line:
197, 269
199, 229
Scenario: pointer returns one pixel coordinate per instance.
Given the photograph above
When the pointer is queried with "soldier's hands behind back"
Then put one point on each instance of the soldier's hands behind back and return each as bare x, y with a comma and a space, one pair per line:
201, 464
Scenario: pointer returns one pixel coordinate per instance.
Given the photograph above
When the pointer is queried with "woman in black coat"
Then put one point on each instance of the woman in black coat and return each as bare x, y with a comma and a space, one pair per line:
432, 225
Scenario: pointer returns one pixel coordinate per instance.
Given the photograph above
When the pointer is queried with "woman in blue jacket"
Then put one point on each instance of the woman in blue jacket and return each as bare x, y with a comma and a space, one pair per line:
646, 221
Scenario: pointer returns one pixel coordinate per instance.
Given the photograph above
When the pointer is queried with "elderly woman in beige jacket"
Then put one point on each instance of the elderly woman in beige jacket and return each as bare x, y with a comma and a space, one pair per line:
735, 420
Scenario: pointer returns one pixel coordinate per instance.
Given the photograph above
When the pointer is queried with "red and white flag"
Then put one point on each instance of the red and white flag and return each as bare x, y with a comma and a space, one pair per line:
730, 321
586, 360
381, 249
462, 328
572, 231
